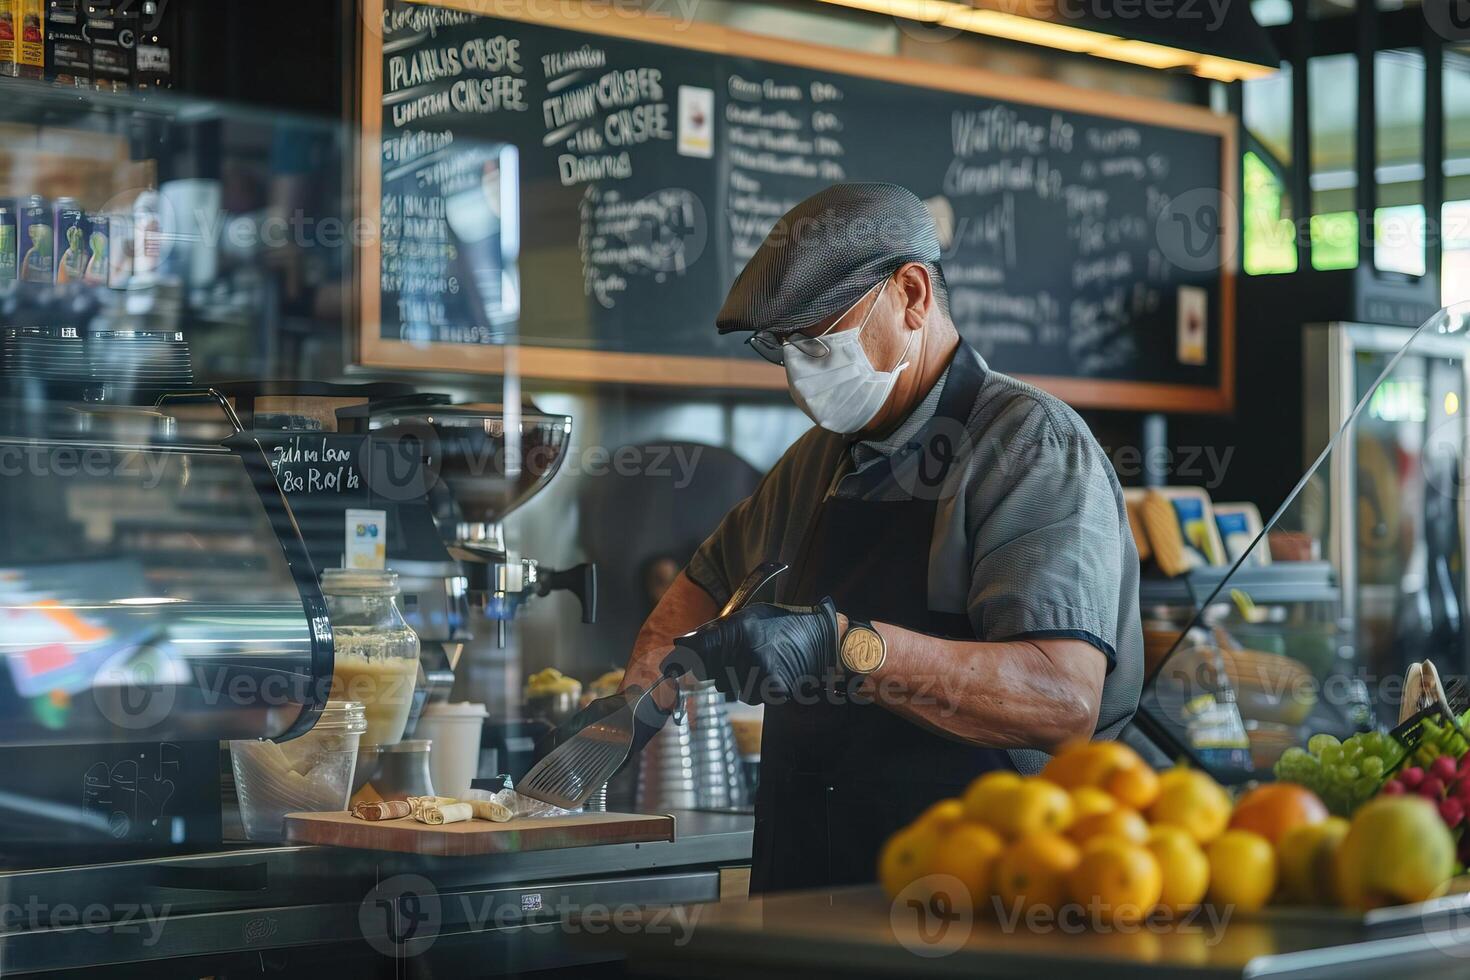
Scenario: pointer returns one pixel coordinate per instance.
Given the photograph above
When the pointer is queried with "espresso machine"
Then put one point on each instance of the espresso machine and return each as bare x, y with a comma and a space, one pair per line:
156, 599
445, 477
484, 461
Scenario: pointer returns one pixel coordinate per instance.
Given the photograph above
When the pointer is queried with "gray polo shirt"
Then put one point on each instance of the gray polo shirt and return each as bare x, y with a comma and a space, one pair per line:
1030, 536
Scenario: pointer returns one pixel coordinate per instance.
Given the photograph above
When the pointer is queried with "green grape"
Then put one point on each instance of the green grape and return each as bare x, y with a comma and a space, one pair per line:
1372, 742
1331, 755
1346, 774
1365, 787
1317, 743
1296, 757
1372, 767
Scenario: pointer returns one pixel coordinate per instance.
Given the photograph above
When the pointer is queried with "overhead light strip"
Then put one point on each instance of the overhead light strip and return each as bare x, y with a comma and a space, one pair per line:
1062, 37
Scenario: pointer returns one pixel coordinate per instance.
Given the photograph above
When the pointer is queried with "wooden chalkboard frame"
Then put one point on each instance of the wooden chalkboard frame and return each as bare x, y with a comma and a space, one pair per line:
616, 366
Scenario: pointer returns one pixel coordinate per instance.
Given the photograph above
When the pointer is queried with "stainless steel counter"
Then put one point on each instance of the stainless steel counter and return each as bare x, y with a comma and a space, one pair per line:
857, 931
269, 904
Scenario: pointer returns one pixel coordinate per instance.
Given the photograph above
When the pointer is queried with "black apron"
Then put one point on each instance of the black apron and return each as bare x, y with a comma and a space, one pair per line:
838, 777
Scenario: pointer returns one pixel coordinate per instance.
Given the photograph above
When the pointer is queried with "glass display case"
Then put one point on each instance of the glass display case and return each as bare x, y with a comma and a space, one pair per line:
1358, 575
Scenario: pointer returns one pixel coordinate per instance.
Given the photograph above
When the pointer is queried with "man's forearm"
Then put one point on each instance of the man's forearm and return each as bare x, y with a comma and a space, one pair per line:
685, 606
1022, 694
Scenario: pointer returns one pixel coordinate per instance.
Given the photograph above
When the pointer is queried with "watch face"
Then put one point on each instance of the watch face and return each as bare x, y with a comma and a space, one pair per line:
862, 650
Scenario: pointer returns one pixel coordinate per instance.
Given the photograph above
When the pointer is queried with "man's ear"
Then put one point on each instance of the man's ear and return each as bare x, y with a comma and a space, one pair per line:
917, 292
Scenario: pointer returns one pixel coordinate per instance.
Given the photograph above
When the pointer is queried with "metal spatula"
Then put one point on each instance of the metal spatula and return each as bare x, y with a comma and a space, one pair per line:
592, 745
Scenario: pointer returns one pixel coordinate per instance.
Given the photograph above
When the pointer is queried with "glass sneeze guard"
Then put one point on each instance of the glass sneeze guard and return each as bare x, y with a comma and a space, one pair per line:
1248, 681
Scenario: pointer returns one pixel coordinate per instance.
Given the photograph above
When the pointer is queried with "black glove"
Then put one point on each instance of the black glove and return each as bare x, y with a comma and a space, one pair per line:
764, 653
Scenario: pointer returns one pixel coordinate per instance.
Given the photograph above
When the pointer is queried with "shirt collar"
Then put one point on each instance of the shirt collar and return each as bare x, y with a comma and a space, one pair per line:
866, 451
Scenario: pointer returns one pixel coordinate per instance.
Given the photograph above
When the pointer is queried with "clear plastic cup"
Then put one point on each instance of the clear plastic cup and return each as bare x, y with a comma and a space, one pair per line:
311, 773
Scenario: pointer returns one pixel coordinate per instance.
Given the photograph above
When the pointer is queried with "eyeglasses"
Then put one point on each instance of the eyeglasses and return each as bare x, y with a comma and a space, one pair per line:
772, 346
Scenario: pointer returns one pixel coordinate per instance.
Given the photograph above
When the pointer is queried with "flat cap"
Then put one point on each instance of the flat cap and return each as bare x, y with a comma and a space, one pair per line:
825, 253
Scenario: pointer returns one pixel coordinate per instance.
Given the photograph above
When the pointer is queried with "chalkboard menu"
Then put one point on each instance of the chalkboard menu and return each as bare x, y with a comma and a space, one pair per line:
580, 194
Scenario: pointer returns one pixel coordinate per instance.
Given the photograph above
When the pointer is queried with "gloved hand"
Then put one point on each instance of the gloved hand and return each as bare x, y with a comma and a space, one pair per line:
765, 653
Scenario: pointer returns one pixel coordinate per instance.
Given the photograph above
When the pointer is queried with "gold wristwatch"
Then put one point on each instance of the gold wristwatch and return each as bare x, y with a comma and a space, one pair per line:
863, 649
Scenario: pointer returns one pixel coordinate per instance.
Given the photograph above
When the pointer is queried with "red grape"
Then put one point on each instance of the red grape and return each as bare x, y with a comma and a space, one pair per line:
1395, 788
1411, 777
1453, 812
1431, 788
1444, 768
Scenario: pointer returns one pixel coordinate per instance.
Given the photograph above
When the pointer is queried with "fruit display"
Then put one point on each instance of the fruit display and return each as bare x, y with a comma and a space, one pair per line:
1101, 832
1345, 774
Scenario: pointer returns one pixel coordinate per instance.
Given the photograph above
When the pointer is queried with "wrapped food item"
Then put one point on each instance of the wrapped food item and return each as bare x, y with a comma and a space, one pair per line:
382, 810
437, 814
492, 810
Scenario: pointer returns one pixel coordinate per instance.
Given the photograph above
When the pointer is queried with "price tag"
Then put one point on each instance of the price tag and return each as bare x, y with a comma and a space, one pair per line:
367, 539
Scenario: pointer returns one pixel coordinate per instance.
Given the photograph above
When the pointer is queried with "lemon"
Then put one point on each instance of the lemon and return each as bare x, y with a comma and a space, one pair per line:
1087, 800
1035, 806
1190, 799
984, 797
1122, 821
905, 858
1242, 870
969, 852
1185, 868
943, 814
1032, 872
1118, 878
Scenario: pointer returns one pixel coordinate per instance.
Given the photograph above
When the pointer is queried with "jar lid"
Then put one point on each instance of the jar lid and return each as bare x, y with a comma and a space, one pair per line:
457, 709
359, 581
342, 716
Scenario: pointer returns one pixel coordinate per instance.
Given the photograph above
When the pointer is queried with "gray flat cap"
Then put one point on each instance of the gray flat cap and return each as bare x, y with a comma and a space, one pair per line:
825, 253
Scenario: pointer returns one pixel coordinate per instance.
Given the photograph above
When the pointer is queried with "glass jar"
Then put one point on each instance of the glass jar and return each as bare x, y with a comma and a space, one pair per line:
377, 652
309, 773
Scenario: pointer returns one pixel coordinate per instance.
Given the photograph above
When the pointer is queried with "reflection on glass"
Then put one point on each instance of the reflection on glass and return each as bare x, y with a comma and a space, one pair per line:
144, 591
1332, 84
1358, 575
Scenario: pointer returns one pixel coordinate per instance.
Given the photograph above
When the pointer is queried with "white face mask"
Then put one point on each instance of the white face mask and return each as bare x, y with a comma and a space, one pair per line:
841, 391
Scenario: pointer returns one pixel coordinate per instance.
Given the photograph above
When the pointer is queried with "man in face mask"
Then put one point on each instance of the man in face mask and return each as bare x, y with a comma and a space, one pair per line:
963, 585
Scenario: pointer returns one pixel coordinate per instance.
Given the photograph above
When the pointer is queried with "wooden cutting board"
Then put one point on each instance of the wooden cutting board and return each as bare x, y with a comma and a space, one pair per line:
479, 836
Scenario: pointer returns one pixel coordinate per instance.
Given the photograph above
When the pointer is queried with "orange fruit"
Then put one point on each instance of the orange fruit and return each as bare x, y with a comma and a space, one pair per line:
1242, 870
969, 852
1190, 799
985, 797
1118, 878
1032, 807
905, 858
1137, 786
1087, 800
943, 815
1090, 764
1277, 808
1122, 821
1032, 872
1185, 867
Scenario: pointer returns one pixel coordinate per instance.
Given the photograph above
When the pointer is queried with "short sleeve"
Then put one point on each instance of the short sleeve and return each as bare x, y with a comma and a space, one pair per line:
1047, 554
757, 528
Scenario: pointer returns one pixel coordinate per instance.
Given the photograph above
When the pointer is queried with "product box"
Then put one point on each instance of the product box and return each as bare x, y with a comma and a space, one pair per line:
9, 33
31, 39
154, 66
68, 52
111, 31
